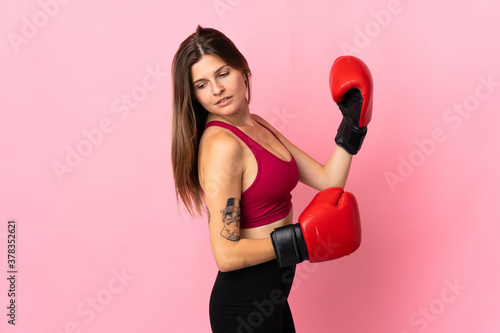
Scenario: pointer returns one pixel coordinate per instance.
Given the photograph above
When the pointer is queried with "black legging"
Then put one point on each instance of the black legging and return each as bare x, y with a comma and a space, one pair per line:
252, 300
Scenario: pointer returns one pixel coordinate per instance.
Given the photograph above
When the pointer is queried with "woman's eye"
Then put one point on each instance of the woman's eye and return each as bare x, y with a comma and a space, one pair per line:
224, 74
201, 86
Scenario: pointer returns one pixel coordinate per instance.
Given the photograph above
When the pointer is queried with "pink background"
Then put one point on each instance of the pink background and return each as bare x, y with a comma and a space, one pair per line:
101, 244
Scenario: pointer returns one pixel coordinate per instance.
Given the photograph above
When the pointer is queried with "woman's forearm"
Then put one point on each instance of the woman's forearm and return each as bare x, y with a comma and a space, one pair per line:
336, 170
244, 253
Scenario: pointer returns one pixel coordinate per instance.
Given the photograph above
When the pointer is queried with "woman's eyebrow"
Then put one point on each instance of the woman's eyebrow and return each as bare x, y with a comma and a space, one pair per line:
217, 71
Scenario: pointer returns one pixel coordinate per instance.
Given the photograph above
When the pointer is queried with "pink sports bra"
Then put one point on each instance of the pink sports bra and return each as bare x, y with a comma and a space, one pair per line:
268, 199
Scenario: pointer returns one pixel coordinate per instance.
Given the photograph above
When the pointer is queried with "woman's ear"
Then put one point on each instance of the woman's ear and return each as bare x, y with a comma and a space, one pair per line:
245, 77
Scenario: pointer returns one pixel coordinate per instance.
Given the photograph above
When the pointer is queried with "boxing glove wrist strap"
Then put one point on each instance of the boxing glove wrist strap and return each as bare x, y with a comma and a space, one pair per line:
349, 136
289, 245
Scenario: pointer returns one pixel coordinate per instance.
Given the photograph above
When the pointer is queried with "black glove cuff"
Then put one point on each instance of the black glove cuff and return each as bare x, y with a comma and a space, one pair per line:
349, 136
285, 246
301, 242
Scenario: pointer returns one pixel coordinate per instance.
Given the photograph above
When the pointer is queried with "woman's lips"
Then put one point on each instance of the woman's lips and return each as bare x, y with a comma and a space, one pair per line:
225, 101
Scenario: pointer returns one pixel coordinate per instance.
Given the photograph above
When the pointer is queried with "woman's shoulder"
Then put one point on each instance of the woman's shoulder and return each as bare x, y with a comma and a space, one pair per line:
219, 140
218, 149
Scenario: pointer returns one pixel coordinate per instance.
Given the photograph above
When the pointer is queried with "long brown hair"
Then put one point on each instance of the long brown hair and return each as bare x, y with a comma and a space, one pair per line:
189, 117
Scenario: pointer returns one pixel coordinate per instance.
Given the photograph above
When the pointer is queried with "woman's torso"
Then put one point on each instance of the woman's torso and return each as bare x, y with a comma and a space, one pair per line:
269, 142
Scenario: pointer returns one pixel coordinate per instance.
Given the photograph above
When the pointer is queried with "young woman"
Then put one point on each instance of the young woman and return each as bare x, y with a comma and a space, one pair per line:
242, 169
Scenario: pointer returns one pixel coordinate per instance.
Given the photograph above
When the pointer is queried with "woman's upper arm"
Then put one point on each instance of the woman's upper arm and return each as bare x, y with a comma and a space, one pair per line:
221, 170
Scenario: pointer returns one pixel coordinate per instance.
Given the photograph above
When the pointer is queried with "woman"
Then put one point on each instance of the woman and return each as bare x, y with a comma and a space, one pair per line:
243, 170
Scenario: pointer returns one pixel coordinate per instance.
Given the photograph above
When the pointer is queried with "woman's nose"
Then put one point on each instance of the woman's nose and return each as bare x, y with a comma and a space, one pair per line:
218, 88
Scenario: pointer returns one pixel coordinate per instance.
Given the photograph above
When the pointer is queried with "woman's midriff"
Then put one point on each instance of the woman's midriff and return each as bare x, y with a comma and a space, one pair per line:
265, 230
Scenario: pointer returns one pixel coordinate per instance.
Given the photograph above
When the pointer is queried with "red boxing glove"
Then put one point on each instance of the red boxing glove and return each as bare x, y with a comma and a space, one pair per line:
329, 228
351, 86
331, 225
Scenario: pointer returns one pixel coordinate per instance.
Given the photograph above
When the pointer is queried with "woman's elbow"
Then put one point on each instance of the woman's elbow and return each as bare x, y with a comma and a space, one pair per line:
225, 263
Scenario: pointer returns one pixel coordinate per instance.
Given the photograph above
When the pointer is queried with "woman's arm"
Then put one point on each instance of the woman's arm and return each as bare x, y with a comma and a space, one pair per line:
220, 171
312, 173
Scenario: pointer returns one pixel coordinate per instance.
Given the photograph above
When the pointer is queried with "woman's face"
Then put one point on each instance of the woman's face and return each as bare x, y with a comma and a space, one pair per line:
218, 87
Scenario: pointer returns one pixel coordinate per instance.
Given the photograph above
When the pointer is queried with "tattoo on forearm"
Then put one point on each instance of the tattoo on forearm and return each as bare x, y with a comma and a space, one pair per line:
231, 219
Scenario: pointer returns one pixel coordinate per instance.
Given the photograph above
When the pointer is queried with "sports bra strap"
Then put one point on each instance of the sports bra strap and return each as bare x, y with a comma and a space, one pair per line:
268, 129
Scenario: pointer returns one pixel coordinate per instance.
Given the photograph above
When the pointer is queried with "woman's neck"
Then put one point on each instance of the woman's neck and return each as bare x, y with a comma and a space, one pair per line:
240, 119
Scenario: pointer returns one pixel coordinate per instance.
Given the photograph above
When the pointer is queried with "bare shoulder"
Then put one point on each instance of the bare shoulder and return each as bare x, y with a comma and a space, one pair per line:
219, 143
220, 161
